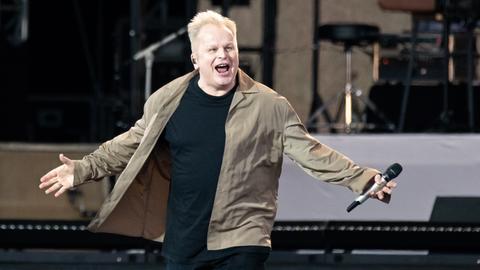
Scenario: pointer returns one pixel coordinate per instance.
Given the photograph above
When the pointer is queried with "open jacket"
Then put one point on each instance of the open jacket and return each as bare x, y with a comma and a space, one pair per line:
261, 126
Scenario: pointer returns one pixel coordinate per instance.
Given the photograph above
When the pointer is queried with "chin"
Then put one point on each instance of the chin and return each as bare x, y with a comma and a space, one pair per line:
225, 80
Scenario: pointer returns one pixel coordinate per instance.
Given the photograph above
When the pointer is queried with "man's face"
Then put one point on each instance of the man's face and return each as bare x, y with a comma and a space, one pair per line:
216, 57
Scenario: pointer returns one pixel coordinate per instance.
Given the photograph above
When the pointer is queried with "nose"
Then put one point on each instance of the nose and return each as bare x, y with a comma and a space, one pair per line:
221, 53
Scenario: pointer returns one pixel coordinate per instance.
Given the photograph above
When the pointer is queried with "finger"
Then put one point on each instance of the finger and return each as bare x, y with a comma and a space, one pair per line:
380, 195
53, 188
378, 178
392, 184
387, 190
49, 182
49, 175
65, 160
60, 191
386, 198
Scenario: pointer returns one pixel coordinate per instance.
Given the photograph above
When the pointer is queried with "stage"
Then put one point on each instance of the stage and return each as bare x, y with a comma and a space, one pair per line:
313, 229
434, 165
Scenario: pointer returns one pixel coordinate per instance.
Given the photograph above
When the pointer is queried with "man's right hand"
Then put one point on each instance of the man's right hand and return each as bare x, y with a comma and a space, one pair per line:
59, 179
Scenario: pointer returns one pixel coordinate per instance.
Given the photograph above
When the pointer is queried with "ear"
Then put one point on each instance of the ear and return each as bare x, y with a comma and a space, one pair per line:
194, 61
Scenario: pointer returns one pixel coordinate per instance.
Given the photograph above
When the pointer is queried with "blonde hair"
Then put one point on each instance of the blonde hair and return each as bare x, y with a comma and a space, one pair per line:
209, 17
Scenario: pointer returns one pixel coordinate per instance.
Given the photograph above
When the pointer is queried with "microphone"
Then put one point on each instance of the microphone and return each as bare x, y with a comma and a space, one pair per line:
393, 171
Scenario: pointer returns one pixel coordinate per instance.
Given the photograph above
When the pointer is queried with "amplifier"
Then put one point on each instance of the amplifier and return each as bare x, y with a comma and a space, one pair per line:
394, 68
391, 64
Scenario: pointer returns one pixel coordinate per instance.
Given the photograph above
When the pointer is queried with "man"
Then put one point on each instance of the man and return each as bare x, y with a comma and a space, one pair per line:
200, 169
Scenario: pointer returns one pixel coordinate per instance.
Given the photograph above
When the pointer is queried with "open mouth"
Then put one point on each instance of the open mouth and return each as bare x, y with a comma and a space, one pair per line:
222, 68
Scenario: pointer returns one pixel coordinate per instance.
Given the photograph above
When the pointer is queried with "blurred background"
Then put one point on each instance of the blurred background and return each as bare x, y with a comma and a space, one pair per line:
383, 81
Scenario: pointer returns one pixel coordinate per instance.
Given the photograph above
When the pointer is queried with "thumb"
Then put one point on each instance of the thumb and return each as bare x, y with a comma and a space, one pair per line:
378, 178
65, 160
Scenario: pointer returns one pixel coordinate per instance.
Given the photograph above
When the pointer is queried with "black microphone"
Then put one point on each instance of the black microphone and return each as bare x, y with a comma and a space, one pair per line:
393, 171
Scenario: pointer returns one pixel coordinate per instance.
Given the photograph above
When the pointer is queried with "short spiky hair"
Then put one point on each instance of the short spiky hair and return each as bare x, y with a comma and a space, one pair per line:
209, 17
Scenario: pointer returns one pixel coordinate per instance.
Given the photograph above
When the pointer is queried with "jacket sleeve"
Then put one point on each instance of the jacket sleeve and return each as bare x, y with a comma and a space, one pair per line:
112, 156
319, 160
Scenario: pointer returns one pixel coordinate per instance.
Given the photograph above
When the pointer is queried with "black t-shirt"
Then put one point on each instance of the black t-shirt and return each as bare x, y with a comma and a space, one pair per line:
196, 137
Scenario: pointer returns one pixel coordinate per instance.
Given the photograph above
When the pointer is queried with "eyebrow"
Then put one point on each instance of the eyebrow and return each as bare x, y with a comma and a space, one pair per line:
210, 45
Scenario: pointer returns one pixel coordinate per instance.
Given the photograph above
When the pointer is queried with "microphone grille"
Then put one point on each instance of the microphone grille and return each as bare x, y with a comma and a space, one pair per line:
393, 171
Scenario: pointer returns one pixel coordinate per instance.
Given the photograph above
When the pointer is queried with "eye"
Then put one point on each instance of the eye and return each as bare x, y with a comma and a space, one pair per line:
212, 50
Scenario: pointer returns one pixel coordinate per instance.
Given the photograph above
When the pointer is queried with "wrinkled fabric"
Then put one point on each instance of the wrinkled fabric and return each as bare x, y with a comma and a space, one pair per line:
261, 127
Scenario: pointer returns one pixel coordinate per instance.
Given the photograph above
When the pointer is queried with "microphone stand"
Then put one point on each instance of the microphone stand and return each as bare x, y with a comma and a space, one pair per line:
147, 53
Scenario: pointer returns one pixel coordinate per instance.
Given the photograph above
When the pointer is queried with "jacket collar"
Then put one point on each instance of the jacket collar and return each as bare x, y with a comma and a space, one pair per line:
246, 85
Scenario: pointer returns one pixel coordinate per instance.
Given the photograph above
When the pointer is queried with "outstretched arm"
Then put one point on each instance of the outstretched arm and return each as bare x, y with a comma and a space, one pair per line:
109, 159
325, 163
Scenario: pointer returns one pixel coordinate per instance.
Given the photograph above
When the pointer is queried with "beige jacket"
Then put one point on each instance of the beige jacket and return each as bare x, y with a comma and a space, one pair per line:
261, 126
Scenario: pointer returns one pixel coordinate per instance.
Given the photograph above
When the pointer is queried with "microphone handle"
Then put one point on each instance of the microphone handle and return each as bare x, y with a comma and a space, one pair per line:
374, 188
360, 199
352, 206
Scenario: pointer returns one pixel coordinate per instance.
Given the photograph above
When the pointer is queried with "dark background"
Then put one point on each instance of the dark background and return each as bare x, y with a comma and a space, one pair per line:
73, 79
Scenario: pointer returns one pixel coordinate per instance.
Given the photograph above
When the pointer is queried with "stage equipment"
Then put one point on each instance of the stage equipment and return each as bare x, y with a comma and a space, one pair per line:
148, 54
456, 209
14, 21
22, 165
393, 59
349, 35
450, 237
456, 9
451, 11
424, 106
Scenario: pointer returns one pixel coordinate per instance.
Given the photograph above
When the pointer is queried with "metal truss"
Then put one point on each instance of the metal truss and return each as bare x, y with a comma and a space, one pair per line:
14, 20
